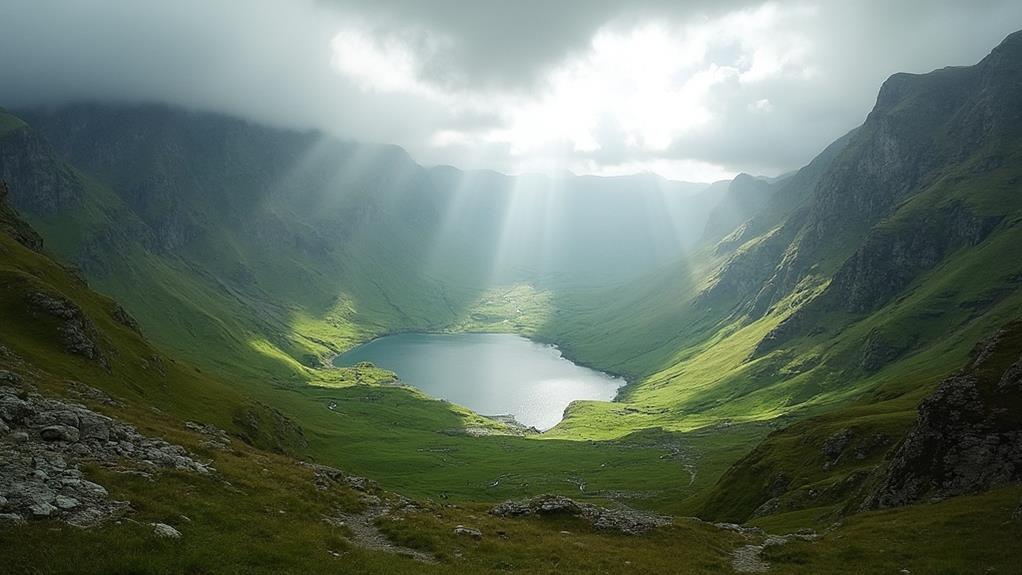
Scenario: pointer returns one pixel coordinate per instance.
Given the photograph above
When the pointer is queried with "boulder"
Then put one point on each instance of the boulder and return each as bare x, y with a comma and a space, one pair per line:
468, 532
59, 433
164, 531
623, 519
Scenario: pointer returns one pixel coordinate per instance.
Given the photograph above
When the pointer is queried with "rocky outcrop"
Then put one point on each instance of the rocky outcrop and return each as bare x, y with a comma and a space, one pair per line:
889, 207
326, 476
893, 257
43, 444
885, 265
40, 183
968, 434
12, 225
624, 520
880, 350
77, 332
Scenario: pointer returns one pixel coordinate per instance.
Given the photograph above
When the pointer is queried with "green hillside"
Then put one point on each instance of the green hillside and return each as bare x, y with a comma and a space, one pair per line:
787, 343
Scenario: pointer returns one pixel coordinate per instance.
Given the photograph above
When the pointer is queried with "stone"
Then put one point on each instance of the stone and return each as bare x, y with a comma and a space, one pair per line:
623, 519
15, 410
47, 440
59, 433
41, 509
63, 502
94, 428
164, 531
11, 518
468, 532
964, 440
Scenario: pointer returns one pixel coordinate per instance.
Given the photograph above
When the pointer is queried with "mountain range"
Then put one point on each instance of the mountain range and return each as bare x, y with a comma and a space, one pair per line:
833, 354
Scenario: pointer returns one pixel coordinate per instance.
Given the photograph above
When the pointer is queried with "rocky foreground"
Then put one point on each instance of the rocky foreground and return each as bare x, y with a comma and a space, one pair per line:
44, 443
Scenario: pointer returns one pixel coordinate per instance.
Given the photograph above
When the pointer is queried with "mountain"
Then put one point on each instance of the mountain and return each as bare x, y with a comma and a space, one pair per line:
844, 303
298, 245
832, 354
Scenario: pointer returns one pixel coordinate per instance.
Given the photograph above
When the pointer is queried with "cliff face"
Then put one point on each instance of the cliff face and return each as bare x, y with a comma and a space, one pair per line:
968, 434
14, 226
914, 185
27, 162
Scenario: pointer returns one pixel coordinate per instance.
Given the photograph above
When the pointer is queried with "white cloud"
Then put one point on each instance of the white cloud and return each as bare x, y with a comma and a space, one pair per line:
707, 86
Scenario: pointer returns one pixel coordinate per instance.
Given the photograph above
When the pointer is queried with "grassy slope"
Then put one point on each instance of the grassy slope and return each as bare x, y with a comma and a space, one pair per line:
235, 522
693, 374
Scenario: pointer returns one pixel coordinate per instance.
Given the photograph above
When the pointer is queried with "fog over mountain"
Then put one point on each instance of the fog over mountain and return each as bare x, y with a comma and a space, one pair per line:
691, 90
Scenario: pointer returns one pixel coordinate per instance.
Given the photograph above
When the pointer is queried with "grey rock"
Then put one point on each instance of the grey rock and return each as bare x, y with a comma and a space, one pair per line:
835, 446
963, 441
14, 409
164, 531
76, 330
468, 532
49, 440
63, 502
59, 433
41, 509
11, 518
623, 519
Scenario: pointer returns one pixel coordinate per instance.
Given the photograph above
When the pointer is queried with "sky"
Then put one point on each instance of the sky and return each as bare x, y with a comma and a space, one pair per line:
696, 90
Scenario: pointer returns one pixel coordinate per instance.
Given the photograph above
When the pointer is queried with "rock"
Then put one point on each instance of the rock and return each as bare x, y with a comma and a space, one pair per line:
468, 532
11, 518
76, 330
964, 440
50, 439
41, 509
835, 446
59, 433
624, 520
14, 410
122, 317
3, 502
879, 350
63, 502
94, 427
164, 531
9, 377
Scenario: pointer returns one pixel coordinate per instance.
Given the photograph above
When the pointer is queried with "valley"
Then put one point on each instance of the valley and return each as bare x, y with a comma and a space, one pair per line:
813, 373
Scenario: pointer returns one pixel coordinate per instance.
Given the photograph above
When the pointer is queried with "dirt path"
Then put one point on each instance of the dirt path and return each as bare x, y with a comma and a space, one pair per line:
365, 534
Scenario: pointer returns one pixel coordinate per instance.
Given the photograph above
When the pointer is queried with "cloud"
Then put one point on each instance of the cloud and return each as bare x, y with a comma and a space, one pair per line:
687, 89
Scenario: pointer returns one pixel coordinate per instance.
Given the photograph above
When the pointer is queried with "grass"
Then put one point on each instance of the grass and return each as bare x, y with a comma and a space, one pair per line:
705, 426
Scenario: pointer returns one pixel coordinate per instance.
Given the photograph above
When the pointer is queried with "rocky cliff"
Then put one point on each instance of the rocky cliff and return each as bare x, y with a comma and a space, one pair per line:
968, 435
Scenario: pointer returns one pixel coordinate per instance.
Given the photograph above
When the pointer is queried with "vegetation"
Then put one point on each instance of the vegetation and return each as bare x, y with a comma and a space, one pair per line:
249, 260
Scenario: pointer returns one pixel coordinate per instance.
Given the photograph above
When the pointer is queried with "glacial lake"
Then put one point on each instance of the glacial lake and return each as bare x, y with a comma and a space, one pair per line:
492, 374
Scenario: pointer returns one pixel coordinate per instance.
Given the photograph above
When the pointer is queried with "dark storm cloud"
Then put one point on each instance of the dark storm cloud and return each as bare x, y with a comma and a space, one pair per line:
476, 83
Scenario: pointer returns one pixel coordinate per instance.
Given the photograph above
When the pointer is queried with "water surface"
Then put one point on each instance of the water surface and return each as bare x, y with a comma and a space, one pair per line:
492, 374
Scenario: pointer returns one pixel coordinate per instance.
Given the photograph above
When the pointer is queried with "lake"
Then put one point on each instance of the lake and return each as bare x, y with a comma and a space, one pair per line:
492, 374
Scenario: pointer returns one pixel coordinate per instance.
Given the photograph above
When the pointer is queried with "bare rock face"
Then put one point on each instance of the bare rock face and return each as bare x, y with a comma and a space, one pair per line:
967, 437
14, 226
44, 442
77, 332
624, 520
